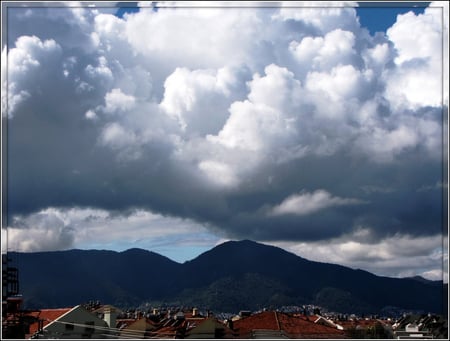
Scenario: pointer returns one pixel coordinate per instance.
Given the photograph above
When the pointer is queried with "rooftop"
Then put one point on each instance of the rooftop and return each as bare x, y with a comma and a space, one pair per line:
46, 316
287, 324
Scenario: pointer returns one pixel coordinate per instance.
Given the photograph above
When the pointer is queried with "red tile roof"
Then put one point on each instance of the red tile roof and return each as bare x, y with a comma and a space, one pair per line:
266, 320
47, 316
297, 327
293, 326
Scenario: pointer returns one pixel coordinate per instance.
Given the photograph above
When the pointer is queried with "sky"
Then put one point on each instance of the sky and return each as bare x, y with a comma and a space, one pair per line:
315, 127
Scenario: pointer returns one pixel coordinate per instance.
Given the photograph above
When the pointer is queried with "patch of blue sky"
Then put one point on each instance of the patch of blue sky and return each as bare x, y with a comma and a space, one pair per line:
379, 16
183, 254
179, 248
183, 247
126, 7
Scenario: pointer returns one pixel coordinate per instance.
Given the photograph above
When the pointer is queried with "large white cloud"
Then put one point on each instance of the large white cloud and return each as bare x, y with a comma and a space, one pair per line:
418, 40
201, 98
24, 63
265, 118
197, 99
198, 36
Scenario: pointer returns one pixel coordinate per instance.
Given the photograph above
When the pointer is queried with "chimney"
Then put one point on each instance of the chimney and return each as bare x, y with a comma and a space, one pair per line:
110, 317
230, 323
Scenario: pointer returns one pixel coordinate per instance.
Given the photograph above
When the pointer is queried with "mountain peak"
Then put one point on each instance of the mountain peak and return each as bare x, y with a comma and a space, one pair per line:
135, 250
241, 242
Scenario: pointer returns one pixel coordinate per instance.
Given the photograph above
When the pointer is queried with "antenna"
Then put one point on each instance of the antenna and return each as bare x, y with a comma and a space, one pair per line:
12, 319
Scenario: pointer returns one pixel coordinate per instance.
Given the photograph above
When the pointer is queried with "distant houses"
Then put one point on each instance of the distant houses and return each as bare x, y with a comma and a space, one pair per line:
109, 322
96, 321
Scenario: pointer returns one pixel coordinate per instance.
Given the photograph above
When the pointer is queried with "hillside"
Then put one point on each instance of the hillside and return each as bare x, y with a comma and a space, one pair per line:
230, 277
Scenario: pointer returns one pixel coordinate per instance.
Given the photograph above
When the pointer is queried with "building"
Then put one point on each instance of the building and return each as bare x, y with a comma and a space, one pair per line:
209, 328
139, 329
68, 323
412, 332
425, 326
14, 323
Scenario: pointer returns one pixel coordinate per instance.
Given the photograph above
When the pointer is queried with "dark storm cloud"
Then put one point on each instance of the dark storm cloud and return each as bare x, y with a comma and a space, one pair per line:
402, 209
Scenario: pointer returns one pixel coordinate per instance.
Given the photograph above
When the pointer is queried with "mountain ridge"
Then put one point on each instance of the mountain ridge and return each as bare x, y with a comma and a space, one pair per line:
147, 251
260, 275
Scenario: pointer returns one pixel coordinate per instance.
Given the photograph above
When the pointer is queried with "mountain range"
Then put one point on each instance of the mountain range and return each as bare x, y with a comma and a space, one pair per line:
233, 276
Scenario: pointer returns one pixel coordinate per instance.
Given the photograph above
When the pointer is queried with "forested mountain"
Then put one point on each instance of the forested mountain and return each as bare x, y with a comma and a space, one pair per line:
230, 277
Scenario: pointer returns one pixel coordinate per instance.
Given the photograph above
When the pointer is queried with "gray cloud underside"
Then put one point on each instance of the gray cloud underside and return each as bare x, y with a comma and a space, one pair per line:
78, 173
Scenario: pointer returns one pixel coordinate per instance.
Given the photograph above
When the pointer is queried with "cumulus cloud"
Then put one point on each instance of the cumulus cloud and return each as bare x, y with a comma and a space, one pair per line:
90, 115
336, 47
116, 100
67, 228
43, 231
196, 98
258, 121
181, 33
238, 119
116, 136
219, 173
415, 38
22, 63
307, 203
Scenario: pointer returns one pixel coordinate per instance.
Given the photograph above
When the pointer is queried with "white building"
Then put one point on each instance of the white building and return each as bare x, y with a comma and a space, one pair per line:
77, 323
